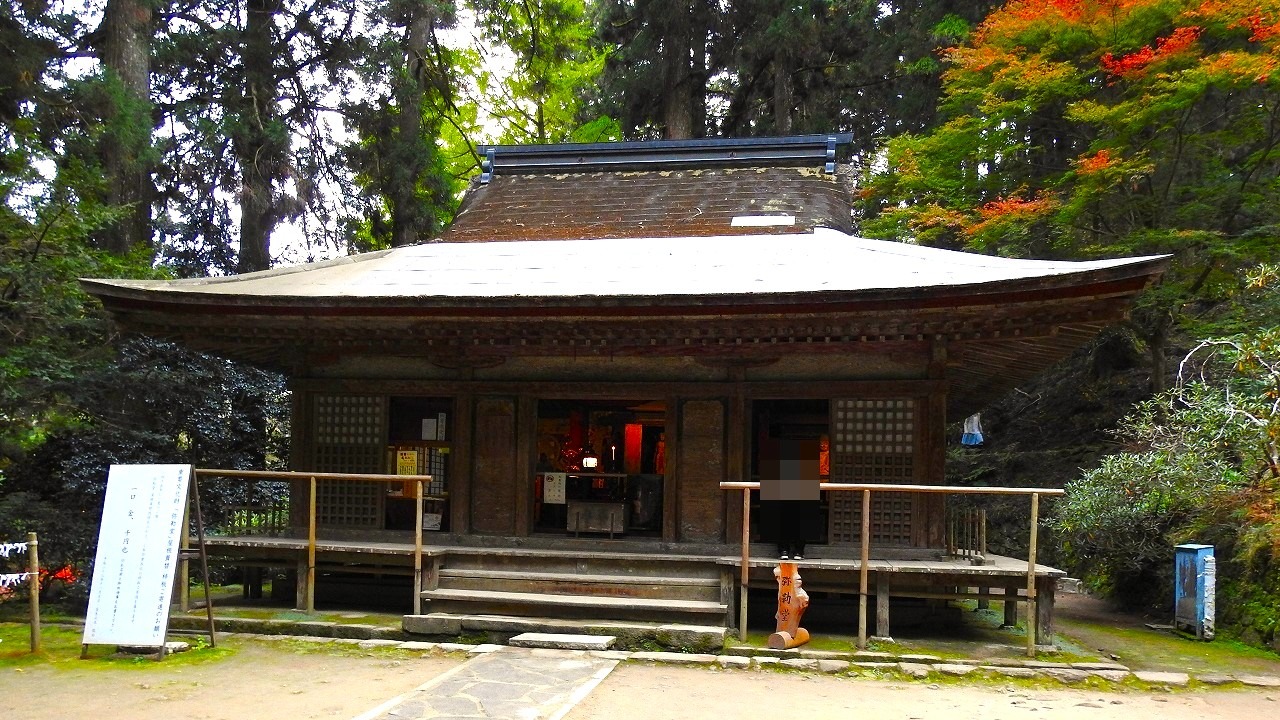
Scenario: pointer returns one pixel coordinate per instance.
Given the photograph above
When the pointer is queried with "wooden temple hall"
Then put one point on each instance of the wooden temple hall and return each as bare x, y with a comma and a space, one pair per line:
604, 335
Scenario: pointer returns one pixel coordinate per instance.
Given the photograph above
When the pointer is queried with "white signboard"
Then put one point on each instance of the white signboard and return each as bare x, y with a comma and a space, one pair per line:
137, 555
553, 488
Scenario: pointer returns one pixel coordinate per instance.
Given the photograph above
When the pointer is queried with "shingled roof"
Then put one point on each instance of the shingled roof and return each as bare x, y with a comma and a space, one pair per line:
656, 203
660, 189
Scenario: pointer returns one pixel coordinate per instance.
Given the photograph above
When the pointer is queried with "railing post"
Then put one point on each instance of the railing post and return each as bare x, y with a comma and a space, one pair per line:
746, 567
311, 550
194, 496
33, 580
866, 558
417, 554
1031, 576
184, 565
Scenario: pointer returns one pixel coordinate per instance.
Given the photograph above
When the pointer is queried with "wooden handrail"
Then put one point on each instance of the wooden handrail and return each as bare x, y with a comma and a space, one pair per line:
304, 475
308, 599
878, 487
865, 541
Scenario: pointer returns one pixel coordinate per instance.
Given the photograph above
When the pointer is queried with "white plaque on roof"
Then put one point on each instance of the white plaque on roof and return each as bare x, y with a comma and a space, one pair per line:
134, 568
763, 220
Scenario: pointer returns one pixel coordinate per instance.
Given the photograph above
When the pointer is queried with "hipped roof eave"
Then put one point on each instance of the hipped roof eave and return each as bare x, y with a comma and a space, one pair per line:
1121, 279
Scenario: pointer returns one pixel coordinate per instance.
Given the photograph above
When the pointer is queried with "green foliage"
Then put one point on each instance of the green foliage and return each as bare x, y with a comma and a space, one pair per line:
1202, 462
763, 67
1078, 129
152, 403
70, 405
407, 169
556, 63
50, 328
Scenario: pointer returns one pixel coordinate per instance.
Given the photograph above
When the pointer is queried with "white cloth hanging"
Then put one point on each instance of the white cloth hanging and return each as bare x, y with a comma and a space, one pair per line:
972, 430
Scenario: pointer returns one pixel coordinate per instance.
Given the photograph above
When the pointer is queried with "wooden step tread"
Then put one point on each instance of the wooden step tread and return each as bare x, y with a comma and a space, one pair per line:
578, 578
581, 601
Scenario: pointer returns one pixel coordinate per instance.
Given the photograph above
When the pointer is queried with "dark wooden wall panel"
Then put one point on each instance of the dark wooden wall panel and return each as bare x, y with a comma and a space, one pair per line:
493, 496
702, 468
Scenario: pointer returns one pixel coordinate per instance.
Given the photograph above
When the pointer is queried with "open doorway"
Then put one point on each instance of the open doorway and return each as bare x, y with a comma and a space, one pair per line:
600, 468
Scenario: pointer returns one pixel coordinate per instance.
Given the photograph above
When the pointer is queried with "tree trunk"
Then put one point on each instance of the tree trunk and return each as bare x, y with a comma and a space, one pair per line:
1157, 343
783, 91
126, 56
677, 95
698, 70
406, 211
260, 144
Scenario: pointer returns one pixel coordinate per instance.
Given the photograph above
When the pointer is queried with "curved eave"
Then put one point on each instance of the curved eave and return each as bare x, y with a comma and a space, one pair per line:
1117, 280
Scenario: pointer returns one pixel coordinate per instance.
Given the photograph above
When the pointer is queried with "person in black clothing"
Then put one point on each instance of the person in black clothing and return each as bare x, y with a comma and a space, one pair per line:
789, 493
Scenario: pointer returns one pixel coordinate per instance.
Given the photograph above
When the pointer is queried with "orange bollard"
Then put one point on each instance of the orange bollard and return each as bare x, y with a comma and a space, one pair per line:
792, 601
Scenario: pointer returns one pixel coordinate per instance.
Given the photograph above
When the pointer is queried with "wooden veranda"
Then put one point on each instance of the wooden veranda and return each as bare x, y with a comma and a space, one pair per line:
257, 537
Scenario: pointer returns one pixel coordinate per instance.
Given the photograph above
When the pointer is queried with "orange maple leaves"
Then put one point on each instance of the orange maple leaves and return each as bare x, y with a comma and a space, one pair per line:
1095, 163
1262, 31
1005, 207
1135, 64
997, 213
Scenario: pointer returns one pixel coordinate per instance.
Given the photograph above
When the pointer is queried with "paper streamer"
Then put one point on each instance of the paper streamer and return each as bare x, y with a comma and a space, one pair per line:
12, 548
10, 580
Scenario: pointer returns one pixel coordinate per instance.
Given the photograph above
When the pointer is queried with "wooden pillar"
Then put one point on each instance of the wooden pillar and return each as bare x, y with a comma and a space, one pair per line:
866, 559
1045, 589
700, 456
493, 491
1010, 606
461, 467
736, 449
933, 505
882, 605
310, 592
726, 595
417, 547
33, 585
526, 438
301, 452
671, 476
745, 575
1031, 576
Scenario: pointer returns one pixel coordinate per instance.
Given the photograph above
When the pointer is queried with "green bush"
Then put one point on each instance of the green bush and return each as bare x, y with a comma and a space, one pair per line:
1201, 463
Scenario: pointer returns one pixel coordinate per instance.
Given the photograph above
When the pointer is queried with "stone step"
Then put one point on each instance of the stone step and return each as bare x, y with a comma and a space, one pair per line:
635, 586
562, 642
578, 601
703, 638
579, 577
604, 563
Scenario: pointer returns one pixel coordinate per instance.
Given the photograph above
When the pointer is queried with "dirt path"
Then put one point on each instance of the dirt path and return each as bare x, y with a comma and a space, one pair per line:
1124, 637
643, 692
260, 680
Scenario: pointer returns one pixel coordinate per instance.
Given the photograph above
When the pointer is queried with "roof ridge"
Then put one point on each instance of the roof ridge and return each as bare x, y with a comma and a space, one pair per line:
819, 150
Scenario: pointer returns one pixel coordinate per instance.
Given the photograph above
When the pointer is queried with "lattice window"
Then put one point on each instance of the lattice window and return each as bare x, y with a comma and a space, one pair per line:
873, 441
349, 432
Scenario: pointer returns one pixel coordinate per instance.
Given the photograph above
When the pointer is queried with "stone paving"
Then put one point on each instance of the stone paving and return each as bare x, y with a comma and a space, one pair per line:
864, 662
506, 684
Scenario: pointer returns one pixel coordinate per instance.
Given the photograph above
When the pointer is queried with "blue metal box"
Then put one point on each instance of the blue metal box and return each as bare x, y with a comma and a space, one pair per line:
1194, 584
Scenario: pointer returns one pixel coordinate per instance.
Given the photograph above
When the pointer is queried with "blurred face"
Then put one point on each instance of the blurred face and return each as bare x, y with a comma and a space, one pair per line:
789, 470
